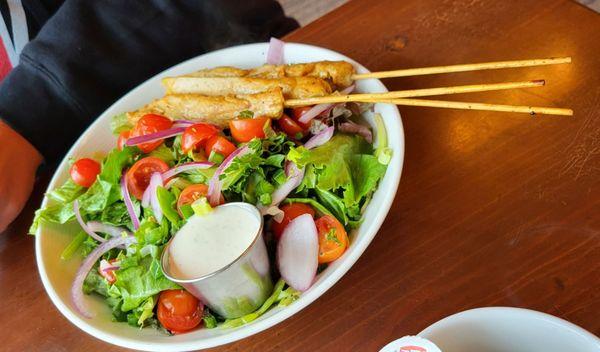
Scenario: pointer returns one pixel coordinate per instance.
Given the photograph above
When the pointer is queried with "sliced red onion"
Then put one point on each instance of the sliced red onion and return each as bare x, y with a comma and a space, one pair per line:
298, 251
282, 191
274, 211
155, 181
146, 198
85, 226
186, 167
105, 266
128, 203
275, 52
351, 127
113, 231
320, 108
320, 139
214, 185
152, 137
182, 123
86, 266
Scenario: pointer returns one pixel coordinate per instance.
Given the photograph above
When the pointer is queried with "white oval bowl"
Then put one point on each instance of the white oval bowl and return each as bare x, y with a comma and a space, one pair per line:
499, 329
57, 275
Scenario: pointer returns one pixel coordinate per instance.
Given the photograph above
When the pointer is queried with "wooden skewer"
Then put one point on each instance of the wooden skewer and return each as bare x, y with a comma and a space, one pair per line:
462, 68
411, 93
478, 106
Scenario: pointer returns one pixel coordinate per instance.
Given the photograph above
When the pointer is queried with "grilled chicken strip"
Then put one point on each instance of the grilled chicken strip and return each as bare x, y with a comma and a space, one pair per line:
339, 73
292, 87
217, 110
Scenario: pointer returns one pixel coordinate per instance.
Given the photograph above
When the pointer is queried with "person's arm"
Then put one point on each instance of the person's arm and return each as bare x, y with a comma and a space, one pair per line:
90, 53
18, 163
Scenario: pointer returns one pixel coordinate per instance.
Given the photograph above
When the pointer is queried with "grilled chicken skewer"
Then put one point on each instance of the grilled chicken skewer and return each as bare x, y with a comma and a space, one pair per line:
337, 73
217, 110
341, 74
292, 87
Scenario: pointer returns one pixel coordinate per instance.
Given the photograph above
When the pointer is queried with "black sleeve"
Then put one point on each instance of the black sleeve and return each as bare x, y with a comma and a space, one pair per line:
92, 52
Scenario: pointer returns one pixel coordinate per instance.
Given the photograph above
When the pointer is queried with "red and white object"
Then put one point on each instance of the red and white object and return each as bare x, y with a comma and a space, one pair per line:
410, 344
298, 251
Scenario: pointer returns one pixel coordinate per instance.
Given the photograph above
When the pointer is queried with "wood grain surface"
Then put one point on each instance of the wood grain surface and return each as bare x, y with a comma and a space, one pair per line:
493, 209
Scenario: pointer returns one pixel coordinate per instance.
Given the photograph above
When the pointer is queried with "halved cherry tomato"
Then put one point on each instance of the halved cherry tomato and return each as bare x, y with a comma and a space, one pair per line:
219, 144
138, 176
190, 194
290, 127
333, 238
84, 172
149, 124
290, 212
179, 311
297, 113
195, 135
123, 136
245, 130
109, 275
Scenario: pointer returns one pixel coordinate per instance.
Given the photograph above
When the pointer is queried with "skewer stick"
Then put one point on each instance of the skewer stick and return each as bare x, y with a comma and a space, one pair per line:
462, 68
412, 93
478, 106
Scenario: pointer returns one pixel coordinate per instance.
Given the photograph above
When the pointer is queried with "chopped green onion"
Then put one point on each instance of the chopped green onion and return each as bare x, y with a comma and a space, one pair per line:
201, 206
186, 211
215, 157
232, 323
72, 247
210, 322
383, 152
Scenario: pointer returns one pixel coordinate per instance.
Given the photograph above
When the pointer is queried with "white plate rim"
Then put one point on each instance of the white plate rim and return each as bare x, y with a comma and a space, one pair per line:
515, 311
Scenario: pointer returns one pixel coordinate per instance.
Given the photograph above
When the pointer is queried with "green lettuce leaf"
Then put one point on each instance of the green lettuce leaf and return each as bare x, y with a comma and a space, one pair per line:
166, 154
151, 232
67, 192
167, 202
115, 162
137, 283
120, 123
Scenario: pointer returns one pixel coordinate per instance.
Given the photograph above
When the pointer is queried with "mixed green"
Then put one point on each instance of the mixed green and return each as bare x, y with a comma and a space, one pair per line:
126, 219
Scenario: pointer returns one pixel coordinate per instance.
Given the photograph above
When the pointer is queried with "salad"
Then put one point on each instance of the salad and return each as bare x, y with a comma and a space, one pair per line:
311, 166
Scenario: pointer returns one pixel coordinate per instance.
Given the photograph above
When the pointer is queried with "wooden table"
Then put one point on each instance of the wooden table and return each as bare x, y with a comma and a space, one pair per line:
493, 209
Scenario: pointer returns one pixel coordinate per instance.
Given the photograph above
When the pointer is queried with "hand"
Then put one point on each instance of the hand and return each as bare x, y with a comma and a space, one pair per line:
18, 163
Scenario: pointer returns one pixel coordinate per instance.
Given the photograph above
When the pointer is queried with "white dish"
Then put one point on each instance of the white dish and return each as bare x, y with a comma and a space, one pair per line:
501, 329
57, 275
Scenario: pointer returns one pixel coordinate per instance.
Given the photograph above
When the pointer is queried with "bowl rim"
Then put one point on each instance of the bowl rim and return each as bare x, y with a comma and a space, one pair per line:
514, 311
308, 297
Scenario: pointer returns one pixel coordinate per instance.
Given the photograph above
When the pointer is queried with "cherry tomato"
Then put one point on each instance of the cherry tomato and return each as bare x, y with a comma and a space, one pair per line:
149, 124
297, 113
219, 144
245, 130
179, 311
195, 135
190, 194
290, 212
109, 275
290, 127
138, 176
333, 238
84, 172
123, 136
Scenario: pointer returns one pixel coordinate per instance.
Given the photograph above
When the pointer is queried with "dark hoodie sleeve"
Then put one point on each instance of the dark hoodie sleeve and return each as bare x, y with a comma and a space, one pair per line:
92, 52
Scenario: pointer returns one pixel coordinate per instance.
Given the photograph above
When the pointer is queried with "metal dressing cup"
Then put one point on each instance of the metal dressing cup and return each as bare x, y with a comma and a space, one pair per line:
239, 287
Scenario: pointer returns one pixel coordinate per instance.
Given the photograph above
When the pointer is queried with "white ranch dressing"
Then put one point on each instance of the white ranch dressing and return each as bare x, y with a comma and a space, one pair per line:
210, 242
